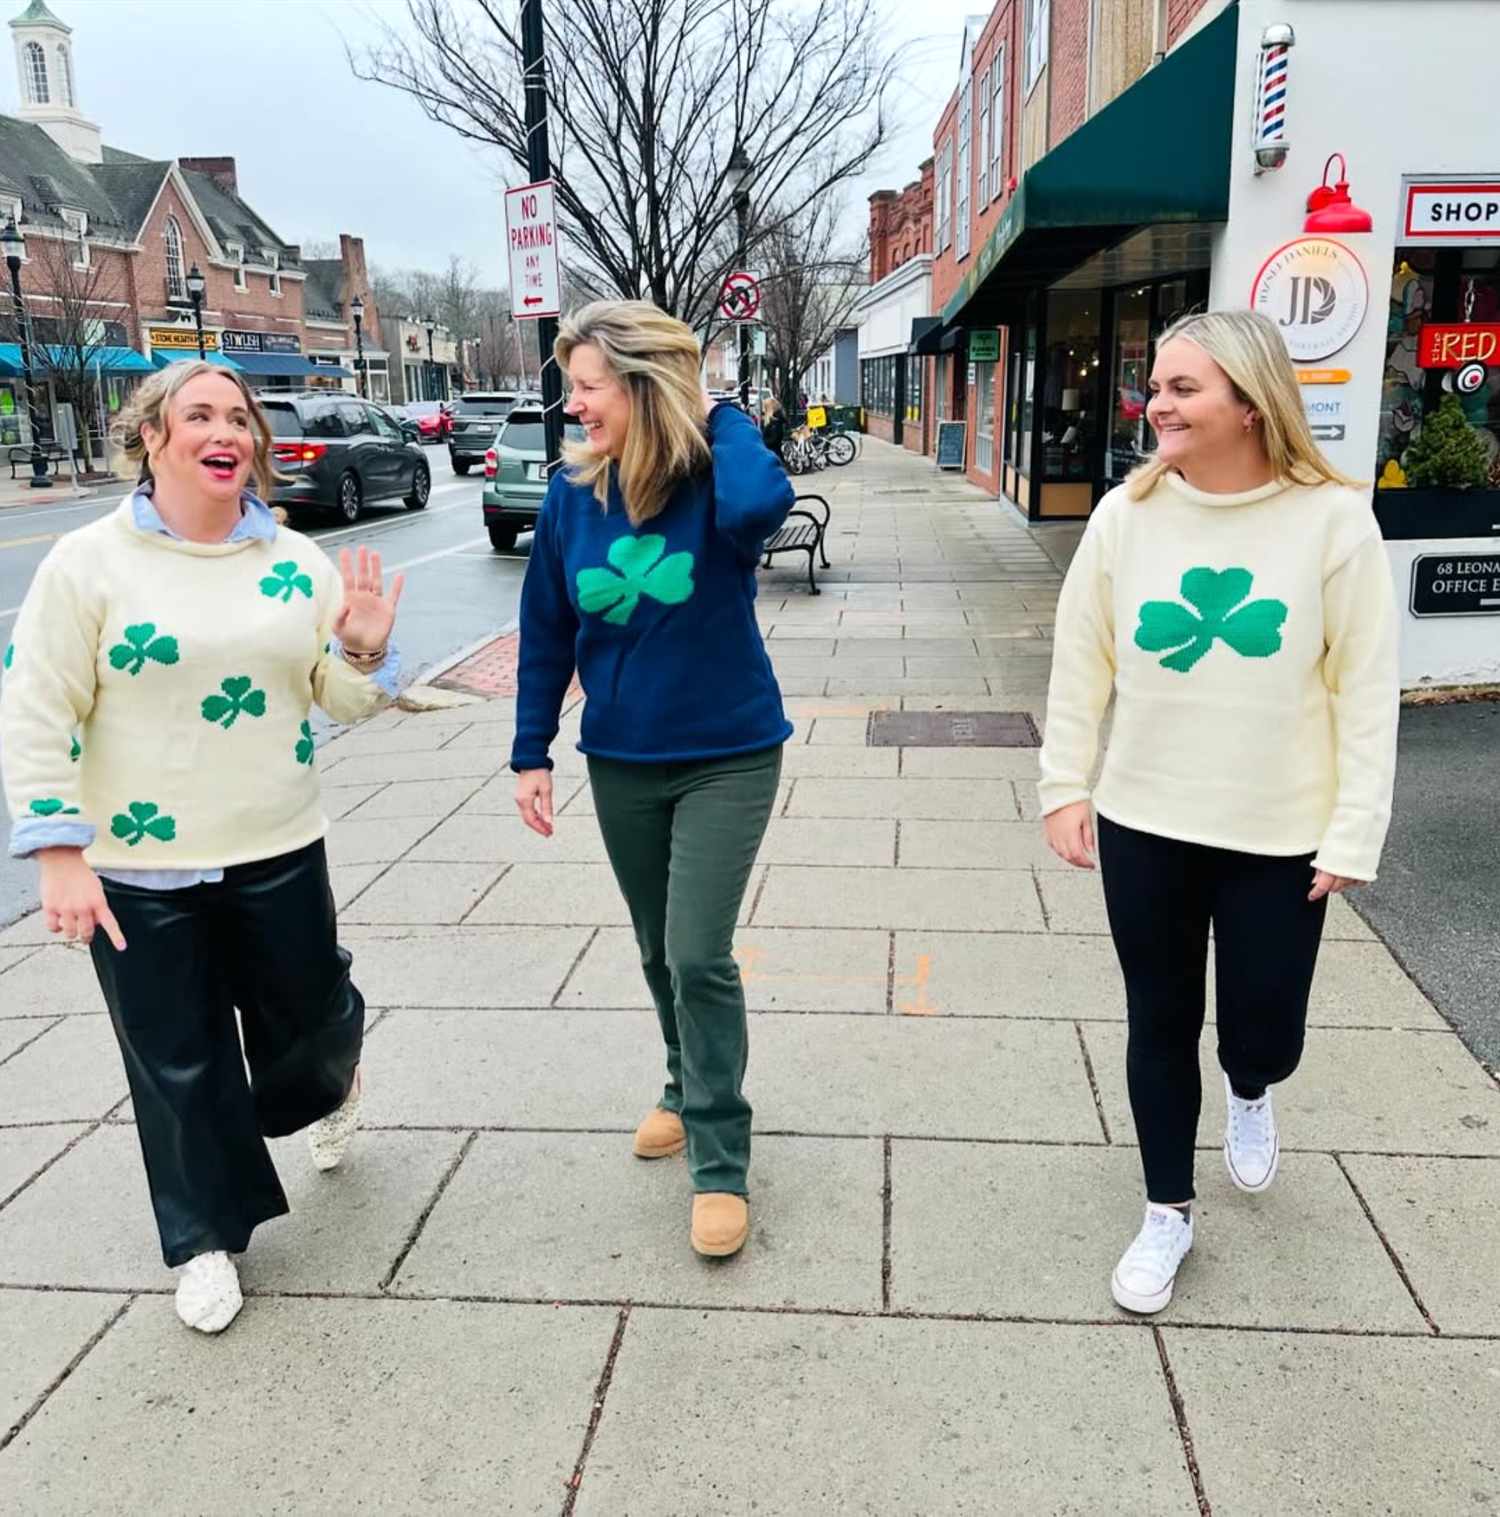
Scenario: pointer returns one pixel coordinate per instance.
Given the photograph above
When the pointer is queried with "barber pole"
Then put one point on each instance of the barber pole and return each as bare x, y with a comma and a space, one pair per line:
1269, 138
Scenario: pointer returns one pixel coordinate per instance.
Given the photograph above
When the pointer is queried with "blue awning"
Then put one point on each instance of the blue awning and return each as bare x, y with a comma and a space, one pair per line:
113, 360
279, 364
332, 371
172, 355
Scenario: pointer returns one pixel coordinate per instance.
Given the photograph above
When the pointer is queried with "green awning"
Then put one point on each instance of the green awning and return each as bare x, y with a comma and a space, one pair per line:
1157, 154
162, 357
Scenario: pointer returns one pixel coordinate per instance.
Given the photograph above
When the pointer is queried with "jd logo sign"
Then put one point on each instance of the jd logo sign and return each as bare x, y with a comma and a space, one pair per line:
1317, 294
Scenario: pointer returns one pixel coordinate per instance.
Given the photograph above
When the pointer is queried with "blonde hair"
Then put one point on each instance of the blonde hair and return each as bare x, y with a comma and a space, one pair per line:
151, 406
770, 406
1249, 349
657, 359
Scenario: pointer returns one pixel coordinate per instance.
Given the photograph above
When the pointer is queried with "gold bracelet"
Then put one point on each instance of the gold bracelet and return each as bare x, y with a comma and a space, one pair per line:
363, 663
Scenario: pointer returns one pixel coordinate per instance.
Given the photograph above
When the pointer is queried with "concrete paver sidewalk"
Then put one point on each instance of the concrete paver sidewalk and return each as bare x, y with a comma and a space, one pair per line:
493, 1306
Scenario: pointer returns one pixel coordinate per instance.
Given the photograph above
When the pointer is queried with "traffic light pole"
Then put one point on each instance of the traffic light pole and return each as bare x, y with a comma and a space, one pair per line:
539, 165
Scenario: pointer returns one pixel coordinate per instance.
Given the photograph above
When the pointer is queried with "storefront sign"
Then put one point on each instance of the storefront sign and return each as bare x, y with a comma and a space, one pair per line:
1316, 292
984, 347
1451, 347
1449, 212
1327, 414
180, 340
261, 342
1323, 376
1455, 584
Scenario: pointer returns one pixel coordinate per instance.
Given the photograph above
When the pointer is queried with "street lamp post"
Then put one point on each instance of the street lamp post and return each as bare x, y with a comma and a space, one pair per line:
357, 311
743, 175
15, 248
196, 284
430, 323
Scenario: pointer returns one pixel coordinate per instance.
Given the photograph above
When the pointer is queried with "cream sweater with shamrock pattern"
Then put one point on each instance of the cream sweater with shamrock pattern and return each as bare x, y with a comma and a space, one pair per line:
187, 671
1250, 641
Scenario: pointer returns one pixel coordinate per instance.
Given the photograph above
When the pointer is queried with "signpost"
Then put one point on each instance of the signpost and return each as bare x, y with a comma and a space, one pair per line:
739, 300
531, 240
1455, 584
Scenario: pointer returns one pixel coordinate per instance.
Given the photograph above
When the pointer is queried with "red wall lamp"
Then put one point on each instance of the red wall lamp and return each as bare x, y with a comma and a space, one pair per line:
1329, 208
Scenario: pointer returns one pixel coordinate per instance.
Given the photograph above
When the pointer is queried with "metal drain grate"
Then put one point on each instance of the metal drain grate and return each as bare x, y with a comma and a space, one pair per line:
951, 729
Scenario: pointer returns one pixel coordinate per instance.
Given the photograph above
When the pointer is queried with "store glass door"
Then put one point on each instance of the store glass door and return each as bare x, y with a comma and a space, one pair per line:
1129, 435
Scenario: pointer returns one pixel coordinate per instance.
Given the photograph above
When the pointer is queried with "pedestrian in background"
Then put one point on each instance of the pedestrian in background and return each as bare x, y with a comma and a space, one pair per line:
158, 763
773, 425
642, 574
1235, 596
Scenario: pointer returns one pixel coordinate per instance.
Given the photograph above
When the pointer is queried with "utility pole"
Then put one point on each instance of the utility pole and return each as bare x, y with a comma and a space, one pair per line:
539, 165
744, 181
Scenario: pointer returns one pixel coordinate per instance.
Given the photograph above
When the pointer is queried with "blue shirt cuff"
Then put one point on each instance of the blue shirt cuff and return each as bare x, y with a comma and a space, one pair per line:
33, 833
387, 674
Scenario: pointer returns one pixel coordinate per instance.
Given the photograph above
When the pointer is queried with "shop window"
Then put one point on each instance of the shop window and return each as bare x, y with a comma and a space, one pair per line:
1028, 401
1444, 286
996, 146
984, 417
1130, 437
36, 74
1038, 25
1070, 384
916, 373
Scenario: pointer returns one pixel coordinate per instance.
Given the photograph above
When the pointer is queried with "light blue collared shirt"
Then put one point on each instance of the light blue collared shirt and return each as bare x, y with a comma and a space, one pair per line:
30, 834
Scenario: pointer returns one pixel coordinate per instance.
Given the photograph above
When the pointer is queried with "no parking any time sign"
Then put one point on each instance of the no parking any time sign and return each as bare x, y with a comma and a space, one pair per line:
531, 240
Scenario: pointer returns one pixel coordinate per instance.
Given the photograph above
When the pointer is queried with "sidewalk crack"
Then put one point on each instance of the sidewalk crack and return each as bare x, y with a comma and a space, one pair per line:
1041, 900
886, 1207
1088, 1069
421, 1222
30, 1042
1391, 1253
596, 1413
1179, 1414
588, 943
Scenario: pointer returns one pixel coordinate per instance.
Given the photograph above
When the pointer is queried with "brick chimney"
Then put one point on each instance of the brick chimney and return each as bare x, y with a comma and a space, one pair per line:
357, 281
221, 170
881, 204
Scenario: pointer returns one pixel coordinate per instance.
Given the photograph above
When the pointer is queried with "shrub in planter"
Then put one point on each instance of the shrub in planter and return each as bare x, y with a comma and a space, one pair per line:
1448, 452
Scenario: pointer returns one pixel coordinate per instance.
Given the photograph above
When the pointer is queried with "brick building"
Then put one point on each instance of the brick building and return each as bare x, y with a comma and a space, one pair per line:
111, 239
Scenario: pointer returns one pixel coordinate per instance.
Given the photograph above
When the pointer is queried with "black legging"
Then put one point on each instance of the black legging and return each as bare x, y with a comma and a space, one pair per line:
1162, 897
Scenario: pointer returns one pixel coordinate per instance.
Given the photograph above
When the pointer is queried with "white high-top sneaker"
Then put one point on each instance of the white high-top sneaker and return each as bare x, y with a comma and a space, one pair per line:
1142, 1281
208, 1292
1251, 1148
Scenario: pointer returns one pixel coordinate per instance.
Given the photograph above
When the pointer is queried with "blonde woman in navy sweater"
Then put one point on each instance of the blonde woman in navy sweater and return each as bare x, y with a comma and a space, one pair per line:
642, 573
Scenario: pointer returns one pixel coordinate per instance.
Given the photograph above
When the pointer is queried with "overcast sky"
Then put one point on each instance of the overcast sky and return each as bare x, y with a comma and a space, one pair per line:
320, 153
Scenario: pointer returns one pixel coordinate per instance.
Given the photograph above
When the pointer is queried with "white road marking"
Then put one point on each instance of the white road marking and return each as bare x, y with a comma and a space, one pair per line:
427, 558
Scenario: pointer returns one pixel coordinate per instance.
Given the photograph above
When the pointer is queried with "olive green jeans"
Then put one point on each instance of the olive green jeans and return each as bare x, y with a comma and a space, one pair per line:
682, 838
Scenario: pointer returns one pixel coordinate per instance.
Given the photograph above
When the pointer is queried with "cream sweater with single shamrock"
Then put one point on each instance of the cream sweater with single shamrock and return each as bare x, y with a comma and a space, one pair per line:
1250, 641
187, 671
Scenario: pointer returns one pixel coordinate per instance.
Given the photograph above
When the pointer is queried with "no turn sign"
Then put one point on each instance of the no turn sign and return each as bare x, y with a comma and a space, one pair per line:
531, 240
739, 300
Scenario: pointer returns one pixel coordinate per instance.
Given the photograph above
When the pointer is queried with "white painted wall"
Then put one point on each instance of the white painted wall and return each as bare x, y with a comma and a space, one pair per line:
886, 313
1399, 89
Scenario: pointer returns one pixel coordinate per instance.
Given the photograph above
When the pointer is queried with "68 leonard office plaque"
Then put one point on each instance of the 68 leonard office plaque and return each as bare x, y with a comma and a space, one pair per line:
1455, 584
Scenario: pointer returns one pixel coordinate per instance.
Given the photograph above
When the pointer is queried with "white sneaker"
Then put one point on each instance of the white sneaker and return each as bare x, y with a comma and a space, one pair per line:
1142, 1281
329, 1137
1251, 1148
208, 1293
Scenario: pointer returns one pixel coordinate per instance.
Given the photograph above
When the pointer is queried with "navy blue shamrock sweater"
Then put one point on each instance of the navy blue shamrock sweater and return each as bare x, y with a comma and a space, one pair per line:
659, 622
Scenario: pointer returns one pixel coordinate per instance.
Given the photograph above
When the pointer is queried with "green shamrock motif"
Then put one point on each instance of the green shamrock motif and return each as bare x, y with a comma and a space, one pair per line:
238, 697
305, 745
10, 655
75, 750
1253, 631
638, 569
51, 806
142, 643
145, 820
283, 580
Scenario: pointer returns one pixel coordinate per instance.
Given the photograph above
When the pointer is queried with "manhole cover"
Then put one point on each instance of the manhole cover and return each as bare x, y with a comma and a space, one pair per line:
951, 729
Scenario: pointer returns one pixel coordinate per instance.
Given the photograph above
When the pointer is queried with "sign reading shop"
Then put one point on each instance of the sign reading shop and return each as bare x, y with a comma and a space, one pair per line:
1466, 212
1316, 292
260, 342
1455, 584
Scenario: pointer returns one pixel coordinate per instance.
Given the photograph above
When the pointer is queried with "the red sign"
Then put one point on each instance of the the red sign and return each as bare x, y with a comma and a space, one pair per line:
1451, 347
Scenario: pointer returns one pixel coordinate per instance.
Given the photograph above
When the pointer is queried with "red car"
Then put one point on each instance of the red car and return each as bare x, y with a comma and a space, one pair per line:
433, 419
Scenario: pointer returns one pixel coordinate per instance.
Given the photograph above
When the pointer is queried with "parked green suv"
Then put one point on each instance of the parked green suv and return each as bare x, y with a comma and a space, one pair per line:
477, 416
515, 478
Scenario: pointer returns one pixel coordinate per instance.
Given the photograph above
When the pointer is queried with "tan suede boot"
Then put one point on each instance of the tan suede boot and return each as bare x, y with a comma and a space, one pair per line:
721, 1223
660, 1135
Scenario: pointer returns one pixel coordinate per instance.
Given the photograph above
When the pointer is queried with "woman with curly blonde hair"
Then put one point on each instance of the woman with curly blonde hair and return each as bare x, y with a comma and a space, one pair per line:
158, 763
642, 574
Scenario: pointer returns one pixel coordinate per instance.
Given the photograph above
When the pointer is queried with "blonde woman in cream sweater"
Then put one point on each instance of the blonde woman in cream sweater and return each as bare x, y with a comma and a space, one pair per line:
1235, 598
158, 763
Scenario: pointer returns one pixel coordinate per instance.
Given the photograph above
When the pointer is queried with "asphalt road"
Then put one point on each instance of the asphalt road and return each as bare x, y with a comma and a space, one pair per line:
1437, 901
458, 590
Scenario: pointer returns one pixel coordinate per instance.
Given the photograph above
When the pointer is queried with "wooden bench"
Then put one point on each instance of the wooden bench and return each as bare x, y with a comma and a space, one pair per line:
802, 532
19, 455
